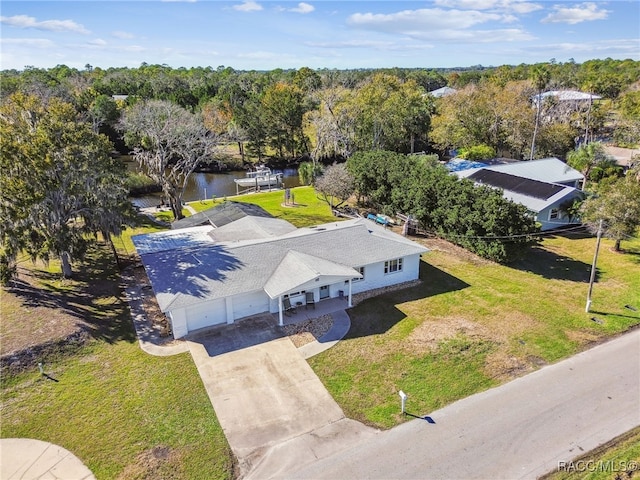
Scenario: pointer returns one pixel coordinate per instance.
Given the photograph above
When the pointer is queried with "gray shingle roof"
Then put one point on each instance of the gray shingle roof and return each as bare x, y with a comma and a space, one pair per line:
186, 276
222, 214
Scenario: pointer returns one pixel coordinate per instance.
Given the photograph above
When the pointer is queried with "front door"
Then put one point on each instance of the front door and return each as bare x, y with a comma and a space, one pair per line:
324, 292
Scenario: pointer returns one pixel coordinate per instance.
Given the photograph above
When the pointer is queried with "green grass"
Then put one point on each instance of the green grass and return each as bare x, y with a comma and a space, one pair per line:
617, 459
473, 324
308, 209
112, 403
108, 402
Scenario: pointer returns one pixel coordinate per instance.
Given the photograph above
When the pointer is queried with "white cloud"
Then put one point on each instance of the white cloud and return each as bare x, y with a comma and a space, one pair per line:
302, 8
627, 48
248, 6
134, 48
25, 21
98, 42
122, 35
583, 12
28, 42
422, 19
516, 6
376, 45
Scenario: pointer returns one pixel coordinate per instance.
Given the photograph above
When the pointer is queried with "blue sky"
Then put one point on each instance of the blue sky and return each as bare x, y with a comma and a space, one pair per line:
264, 35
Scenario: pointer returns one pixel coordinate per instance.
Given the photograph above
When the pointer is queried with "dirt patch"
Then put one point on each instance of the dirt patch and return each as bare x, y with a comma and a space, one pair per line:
431, 332
157, 463
309, 330
503, 366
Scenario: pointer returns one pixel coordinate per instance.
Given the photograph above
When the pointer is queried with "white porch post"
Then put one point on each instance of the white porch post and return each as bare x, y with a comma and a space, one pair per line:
350, 293
280, 319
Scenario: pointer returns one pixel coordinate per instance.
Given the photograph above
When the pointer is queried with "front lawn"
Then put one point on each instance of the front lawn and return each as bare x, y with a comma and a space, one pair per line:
473, 324
126, 414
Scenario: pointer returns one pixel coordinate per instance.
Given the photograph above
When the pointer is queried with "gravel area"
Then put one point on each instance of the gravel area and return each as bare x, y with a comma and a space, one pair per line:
309, 330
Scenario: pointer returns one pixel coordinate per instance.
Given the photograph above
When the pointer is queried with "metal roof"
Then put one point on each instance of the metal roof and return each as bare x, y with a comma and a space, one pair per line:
442, 92
187, 275
569, 95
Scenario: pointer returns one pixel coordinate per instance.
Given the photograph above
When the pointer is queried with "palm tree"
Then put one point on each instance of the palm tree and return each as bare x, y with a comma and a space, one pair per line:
540, 77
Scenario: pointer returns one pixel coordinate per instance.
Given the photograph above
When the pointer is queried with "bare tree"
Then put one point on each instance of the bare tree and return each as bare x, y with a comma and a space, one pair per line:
168, 142
336, 185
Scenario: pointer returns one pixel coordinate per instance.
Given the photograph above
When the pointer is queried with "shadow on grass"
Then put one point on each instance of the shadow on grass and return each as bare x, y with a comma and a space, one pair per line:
378, 314
92, 297
550, 265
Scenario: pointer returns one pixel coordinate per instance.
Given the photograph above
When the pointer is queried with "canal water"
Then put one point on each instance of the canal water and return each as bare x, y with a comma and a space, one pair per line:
203, 186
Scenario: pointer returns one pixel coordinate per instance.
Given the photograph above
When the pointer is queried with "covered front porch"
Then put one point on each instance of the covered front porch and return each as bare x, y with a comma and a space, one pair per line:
303, 313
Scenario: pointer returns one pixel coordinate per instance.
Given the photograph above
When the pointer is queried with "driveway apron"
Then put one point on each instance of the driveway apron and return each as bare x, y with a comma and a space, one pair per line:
263, 394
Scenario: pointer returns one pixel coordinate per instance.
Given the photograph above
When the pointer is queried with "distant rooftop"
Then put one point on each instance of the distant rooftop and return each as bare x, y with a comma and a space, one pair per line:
221, 215
523, 186
442, 92
568, 95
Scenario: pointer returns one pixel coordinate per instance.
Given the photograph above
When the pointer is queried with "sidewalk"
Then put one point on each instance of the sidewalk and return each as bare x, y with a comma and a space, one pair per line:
29, 459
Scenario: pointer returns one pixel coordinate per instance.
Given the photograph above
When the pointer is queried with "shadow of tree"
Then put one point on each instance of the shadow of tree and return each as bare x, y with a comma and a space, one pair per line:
551, 265
93, 296
190, 272
378, 314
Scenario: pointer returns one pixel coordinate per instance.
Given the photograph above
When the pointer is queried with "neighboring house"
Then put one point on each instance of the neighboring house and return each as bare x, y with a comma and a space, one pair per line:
203, 276
549, 170
567, 96
547, 201
442, 92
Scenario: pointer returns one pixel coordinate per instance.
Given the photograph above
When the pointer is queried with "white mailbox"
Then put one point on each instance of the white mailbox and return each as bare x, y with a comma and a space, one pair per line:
403, 400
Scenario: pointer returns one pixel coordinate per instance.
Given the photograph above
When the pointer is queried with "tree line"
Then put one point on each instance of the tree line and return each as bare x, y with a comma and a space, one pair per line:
61, 186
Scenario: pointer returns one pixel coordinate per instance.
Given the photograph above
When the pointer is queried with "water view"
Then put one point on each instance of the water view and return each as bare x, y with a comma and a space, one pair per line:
203, 186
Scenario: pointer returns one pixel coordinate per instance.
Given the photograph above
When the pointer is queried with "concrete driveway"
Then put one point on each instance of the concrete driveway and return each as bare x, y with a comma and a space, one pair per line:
265, 394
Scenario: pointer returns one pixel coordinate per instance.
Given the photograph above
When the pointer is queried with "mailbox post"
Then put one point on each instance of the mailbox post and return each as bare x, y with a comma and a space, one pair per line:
403, 400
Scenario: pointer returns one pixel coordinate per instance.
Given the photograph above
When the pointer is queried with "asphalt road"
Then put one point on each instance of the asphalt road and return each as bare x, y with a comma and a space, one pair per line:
522, 429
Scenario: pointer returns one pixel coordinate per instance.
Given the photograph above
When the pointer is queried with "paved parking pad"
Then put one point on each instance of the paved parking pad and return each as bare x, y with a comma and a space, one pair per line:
263, 394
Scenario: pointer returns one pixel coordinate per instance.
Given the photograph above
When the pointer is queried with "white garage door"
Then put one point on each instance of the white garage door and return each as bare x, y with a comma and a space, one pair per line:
206, 315
250, 304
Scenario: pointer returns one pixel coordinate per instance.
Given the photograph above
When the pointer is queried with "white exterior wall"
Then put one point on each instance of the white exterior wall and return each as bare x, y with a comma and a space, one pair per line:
374, 276
178, 323
215, 312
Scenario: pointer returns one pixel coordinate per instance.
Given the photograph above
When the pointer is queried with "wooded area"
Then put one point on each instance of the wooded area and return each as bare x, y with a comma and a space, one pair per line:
60, 183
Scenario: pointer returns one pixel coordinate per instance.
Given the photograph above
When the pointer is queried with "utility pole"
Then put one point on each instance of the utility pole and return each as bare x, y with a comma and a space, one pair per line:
593, 266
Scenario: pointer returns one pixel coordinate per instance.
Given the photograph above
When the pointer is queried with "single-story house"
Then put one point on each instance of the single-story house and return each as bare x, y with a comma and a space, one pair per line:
549, 170
546, 201
203, 276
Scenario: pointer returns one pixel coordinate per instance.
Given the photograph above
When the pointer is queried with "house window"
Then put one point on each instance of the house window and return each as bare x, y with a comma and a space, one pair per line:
361, 272
392, 266
554, 214
294, 294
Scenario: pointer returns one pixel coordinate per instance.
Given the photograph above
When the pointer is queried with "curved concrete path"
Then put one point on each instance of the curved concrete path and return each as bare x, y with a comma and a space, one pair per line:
29, 459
